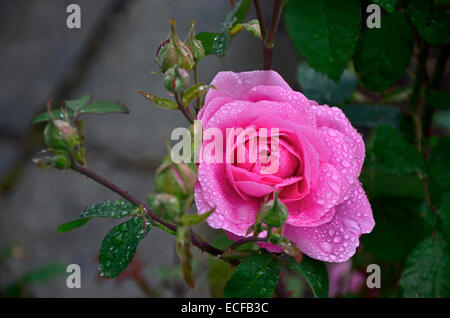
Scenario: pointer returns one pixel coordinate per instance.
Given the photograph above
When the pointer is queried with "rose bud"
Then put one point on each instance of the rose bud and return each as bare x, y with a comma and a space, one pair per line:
60, 134
176, 79
175, 179
173, 51
194, 45
274, 213
165, 205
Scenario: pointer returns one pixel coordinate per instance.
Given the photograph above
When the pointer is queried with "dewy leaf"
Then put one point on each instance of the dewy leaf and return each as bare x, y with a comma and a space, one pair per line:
314, 272
220, 43
383, 54
255, 277
393, 153
77, 104
324, 32
184, 253
119, 245
427, 269
388, 5
373, 115
108, 209
194, 92
159, 101
207, 40
56, 114
194, 219
432, 23
251, 26
320, 88
104, 107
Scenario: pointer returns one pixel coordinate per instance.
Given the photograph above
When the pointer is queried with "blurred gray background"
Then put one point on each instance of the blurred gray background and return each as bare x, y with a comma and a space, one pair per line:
110, 57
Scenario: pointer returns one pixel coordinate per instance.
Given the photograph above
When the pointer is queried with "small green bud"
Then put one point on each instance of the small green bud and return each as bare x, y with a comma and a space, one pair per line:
194, 45
176, 79
165, 205
173, 51
60, 135
58, 161
275, 238
274, 213
175, 179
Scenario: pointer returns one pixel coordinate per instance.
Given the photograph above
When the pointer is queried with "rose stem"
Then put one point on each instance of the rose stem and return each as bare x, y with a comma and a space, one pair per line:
247, 240
185, 110
269, 42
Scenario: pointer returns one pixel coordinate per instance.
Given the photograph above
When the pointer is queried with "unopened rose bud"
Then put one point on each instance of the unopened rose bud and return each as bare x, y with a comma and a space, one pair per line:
194, 45
165, 205
176, 79
172, 52
274, 213
58, 161
175, 179
60, 135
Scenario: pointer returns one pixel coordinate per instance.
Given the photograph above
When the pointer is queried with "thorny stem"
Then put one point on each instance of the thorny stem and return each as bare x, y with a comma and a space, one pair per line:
204, 246
247, 240
185, 110
269, 41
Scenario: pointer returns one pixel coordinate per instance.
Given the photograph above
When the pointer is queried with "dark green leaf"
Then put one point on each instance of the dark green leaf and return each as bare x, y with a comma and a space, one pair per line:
399, 227
184, 253
444, 213
427, 269
439, 168
56, 114
104, 107
388, 5
320, 88
219, 273
119, 245
383, 54
158, 101
438, 100
373, 115
432, 23
239, 11
69, 226
77, 104
255, 277
324, 32
314, 272
207, 40
393, 153
220, 43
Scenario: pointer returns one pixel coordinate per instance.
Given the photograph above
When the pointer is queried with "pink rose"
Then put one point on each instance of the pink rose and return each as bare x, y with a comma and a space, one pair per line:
320, 156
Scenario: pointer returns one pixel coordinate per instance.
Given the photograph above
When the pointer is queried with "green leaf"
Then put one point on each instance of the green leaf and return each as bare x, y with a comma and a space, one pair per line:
238, 12
373, 115
438, 100
119, 245
255, 277
56, 114
324, 32
388, 5
393, 153
251, 26
159, 101
194, 219
104, 107
184, 253
207, 40
314, 272
432, 23
219, 273
383, 54
194, 92
439, 168
220, 43
442, 119
427, 269
320, 88
444, 214
399, 227
108, 209
69, 226
79, 103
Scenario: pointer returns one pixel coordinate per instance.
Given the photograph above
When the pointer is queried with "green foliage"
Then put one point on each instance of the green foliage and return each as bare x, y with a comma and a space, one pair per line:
393, 153
119, 245
432, 24
108, 209
324, 32
255, 277
314, 272
399, 227
383, 54
439, 168
388, 5
195, 91
195, 219
184, 253
159, 101
373, 115
75, 105
320, 88
438, 100
219, 272
427, 269
444, 214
